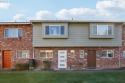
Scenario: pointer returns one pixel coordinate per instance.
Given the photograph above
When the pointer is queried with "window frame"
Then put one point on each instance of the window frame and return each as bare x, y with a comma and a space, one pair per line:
54, 34
46, 53
108, 53
97, 28
10, 36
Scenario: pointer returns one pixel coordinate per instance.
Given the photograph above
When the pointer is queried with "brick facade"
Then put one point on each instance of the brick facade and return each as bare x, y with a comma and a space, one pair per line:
14, 44
78, 63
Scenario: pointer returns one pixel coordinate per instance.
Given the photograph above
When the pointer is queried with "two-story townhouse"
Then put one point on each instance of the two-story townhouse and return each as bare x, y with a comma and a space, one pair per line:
15, 43
71, 44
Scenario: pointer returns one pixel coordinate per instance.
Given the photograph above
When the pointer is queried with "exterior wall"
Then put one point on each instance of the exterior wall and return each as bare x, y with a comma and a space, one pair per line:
78, 63
78, 36
13, 44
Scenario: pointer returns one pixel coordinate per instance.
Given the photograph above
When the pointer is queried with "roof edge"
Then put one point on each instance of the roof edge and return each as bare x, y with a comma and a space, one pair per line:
82, 21
14, 23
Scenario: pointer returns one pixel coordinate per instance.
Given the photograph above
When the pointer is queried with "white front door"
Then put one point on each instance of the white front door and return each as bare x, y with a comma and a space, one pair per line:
62, 59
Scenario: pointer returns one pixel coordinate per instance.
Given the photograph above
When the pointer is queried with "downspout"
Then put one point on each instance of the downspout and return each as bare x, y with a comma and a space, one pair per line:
119, 58
32, 42
33, 53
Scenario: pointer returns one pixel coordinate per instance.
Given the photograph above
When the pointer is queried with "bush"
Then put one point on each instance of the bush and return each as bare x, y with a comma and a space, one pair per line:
47, 65
22, 66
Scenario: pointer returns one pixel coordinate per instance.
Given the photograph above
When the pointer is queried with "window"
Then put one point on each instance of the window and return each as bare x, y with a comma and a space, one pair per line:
54, 30
13, 33
107, 54
22, 54
102, 29
81, 53
46, 53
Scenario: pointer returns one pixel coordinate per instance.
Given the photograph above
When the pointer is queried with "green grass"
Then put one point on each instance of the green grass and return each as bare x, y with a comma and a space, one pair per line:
50, 77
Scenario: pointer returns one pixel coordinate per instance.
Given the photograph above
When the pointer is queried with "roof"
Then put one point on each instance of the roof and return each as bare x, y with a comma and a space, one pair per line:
14, 23
79, 21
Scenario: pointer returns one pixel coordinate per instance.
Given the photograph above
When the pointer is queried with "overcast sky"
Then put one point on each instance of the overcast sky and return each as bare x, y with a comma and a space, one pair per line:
25, 10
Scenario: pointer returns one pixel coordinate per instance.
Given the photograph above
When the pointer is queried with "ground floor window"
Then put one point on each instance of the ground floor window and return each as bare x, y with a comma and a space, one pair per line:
107, 54
22, 54
46, 54
81, 53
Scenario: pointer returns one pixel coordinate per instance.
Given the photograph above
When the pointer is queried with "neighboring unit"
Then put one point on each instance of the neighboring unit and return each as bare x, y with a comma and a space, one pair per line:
15, 43
77, 45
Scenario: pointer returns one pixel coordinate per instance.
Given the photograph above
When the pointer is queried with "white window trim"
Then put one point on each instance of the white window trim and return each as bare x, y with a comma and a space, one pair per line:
49, 30
98, 30
46, 53
12, 28
107, 54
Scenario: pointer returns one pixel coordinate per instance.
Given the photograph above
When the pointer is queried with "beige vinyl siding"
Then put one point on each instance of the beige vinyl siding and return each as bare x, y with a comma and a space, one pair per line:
78, 37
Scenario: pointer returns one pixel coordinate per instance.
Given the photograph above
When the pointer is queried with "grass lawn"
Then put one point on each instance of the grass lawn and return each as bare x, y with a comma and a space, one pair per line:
58, 77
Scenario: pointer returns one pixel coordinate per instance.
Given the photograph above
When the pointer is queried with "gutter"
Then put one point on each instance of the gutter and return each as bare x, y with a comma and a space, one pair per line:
33, 53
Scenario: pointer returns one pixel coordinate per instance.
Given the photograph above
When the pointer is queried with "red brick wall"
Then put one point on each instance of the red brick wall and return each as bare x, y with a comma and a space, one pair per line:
13, 44
77, 62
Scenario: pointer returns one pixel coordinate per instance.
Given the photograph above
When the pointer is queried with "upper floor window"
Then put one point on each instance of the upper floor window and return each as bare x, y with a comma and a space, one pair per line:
13, 32
102, 30
54, 30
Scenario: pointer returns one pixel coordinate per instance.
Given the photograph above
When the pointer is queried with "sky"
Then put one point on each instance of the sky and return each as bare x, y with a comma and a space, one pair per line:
26, 10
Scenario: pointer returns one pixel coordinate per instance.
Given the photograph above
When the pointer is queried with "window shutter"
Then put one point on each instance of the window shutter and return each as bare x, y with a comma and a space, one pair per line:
62, 30
6, 33
94, 30
20, 33
47, 30
110, 30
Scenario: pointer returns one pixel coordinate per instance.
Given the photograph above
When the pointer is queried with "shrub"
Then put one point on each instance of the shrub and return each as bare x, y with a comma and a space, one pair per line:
22, 66
47, 65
